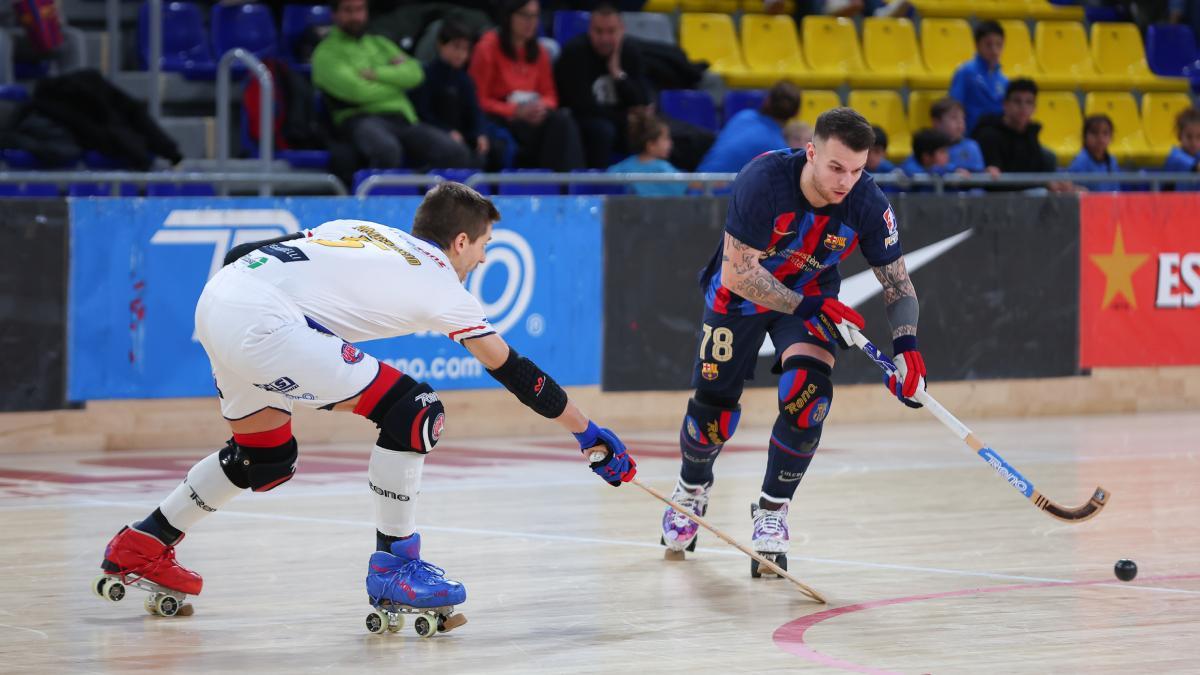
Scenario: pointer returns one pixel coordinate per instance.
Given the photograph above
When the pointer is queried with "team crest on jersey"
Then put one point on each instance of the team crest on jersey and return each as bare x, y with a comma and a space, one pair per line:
708, 371
351, 354
835, 243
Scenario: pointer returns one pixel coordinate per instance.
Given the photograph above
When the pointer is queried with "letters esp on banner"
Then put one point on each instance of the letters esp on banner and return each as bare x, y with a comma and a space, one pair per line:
138, 266
1139, 280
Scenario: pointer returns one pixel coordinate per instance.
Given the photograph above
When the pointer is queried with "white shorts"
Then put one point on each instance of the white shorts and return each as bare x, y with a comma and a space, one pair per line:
266, 354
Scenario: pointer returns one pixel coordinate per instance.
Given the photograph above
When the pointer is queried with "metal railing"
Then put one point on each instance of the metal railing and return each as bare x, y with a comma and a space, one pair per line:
266, 110
940, 184
224, 179
707, 180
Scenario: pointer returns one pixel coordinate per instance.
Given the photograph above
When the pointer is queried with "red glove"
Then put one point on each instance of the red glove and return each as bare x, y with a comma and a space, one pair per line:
910, 371
829, 320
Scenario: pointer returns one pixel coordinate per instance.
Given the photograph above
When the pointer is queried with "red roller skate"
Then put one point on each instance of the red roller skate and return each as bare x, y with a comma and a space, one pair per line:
137, 559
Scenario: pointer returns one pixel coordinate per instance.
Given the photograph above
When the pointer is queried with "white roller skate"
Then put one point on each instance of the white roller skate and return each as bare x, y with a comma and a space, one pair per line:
679, 532
770, 539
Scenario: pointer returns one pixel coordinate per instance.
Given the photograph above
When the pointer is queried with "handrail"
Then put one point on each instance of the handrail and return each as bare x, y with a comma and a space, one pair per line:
112, 21
379, 180
223, 178
401, 179
1034, 179
266, 110
155, 59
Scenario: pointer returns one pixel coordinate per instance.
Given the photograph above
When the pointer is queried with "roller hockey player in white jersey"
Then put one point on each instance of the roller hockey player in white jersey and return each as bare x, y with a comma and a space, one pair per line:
793, 217
279, 323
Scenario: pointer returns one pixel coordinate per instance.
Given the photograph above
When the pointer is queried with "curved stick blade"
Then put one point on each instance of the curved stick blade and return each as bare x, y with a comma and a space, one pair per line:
1076, 515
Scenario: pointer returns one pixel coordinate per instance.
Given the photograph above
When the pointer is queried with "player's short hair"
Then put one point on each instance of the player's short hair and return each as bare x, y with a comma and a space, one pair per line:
1021, 84
928, 141
452, 30
942, 106
452, 208
846, 125
782, 101
1093, 121
986, 28
1186, 118
881, 139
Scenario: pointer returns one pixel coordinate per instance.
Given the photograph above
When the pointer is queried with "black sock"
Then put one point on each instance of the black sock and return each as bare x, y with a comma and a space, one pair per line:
383, 542
156, 525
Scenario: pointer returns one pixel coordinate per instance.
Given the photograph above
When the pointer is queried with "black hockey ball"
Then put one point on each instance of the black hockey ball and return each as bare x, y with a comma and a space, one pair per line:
1125, 570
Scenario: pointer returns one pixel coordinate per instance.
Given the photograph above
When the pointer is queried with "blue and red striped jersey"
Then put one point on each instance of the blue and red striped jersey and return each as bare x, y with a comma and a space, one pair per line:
802, 244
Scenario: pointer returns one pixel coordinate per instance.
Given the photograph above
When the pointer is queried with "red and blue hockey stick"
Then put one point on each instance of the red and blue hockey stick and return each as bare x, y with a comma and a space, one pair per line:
1004, 469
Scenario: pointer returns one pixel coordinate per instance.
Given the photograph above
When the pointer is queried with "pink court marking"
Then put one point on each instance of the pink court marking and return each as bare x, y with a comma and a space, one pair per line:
790, 636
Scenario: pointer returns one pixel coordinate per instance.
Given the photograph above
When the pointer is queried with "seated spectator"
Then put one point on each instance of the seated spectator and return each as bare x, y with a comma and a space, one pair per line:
1094, 157
948, 117
978, 84
365, 79
877, 161
931, 153
1186, 155
750, 133
601, 78
797, 134
652, 135
1009, 141
447, 99
516, 88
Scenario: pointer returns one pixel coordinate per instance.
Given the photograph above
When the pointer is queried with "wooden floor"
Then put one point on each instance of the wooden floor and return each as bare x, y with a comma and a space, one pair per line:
930, 562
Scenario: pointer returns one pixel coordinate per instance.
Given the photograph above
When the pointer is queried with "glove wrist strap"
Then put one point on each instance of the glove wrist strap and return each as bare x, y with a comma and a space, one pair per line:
904, 343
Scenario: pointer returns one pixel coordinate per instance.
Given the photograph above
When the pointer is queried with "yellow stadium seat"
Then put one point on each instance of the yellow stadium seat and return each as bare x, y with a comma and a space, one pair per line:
1062, 53
1158, 121
667, 6
756, 7
943, 8
1062, 125
1119, 55
890, 48
1017, 58
1044, 9
919, 103
773, 53
813, 102
710, 6
884, 108
831, 47
1000, 9
1129, 142
710, 37
946, 44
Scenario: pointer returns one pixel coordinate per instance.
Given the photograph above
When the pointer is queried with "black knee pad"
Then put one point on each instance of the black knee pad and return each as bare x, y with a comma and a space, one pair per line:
259, 469
413, 421
707, 425
805, 392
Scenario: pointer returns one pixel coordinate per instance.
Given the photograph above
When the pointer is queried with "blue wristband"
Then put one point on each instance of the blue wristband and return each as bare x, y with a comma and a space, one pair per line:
904, 343
589, 436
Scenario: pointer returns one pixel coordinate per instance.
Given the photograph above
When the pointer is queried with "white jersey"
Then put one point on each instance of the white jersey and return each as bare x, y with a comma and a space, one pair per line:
363, 281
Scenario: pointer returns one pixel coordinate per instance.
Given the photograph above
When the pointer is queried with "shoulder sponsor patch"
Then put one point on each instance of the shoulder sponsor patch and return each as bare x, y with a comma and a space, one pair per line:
284, 252
889, 219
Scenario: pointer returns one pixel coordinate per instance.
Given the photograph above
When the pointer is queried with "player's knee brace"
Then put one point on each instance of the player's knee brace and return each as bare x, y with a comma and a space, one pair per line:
410, 417
805, 394
259, 469
709, 422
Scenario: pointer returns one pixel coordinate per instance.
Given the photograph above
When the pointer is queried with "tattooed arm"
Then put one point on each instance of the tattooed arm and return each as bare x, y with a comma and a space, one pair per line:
899, 297
742, 273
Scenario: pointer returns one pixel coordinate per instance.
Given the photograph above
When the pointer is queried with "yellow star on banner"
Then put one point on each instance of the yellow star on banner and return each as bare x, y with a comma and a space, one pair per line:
1118, 268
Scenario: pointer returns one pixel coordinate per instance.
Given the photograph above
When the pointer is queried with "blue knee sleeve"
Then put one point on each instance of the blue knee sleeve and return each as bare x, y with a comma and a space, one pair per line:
805, 394
705, 430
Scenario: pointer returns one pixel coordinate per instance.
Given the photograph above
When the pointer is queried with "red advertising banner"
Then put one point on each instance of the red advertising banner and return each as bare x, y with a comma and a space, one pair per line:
1139, 293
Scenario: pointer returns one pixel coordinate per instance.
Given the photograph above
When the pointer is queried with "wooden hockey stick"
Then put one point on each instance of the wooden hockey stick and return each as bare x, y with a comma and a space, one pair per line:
816, 597
1006, 471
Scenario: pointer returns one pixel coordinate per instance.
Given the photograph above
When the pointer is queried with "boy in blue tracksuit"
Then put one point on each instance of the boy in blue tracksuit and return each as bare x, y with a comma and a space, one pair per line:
978, 84
1094, 157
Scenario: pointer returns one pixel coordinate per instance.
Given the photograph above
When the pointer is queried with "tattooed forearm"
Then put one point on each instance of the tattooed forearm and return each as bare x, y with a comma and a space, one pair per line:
899, 298
745, 276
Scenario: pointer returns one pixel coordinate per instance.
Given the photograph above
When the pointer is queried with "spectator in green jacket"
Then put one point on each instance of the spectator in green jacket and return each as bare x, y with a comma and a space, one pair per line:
366, 78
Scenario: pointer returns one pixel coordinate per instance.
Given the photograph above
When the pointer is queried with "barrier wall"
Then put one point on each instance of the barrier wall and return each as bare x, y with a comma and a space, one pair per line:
138, 266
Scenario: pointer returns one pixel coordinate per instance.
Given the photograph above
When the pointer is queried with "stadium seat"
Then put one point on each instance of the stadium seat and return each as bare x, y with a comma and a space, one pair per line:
300, 159
757, 7
649, 26
405, 190
28, 190
1062, 124
1118, 53
957, 9
594, 188
689, 105
1129, 141
666, 6
773, 53
250, 27
738, 100
529, 188
1017, 59
569, 23
884, 109
1042, 9
101, 190
890, 48
946, 44
710, 37
296, 19
13, 92
1158, 121
185, 45
831, 48
1170, 48
813, 102
1062, 53
919, 103
710, 6
181, 190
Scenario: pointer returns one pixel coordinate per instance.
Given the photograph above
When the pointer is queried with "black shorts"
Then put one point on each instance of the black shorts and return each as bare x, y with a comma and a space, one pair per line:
729, 345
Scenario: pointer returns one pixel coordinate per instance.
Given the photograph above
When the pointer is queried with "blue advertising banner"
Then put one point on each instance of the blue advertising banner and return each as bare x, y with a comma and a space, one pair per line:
138, 266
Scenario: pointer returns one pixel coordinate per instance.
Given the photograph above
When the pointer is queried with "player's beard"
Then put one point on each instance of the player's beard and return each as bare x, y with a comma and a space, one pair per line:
825, 193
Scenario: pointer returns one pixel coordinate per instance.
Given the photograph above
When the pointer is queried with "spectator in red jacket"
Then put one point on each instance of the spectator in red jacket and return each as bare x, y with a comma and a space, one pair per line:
516, 88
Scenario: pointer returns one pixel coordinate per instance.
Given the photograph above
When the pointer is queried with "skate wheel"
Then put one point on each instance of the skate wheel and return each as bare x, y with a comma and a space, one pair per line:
376, 622
425, 626
692, 546
167, 605
112, 589
98, 585
395, 623
754, 573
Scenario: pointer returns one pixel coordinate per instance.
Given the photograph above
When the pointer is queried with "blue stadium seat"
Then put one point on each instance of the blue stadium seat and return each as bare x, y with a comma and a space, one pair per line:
102, 162
594, 188
101, 190
29, 190
529, 188
296, 19
1170, 48
13, 92
250, 27
461, 176
300, 159
689, 105
568, 24
738, 100
406, 190
181, 190
185, 45
19, 159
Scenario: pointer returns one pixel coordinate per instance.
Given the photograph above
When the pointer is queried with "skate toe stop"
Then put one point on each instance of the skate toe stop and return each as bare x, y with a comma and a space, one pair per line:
673, 555
453, 621
186, 610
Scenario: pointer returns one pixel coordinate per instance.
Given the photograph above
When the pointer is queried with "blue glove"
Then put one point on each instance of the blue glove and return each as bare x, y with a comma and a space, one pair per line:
616, 466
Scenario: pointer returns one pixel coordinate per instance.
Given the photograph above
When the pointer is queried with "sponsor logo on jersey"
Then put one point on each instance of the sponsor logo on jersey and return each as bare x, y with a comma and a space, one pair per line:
255, 263
351, 354
284, 253
889, 219
281, 386
709, 371
374, 235
835, 243
804, 261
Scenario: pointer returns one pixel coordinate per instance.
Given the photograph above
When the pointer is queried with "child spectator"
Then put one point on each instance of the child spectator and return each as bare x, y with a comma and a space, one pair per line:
797, 134
447, 98
877, 161
978, 84
1094, 157
948, 117
930, 153
1186, 155
653, 138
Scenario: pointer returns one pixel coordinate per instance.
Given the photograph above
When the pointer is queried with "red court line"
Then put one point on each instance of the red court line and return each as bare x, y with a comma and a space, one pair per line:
790, 636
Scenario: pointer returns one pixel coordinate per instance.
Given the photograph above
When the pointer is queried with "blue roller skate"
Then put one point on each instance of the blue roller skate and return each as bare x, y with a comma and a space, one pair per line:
400, 583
